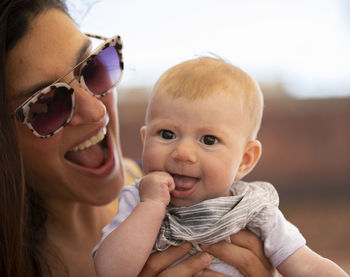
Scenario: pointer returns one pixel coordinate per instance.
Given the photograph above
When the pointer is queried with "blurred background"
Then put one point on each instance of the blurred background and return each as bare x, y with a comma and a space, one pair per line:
299, 52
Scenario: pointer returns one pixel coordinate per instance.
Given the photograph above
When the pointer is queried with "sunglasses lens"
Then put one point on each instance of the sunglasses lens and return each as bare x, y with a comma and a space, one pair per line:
51, 111
103, 71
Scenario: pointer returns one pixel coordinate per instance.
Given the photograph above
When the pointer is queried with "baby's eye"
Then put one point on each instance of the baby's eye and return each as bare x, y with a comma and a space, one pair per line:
209, 140
166, 134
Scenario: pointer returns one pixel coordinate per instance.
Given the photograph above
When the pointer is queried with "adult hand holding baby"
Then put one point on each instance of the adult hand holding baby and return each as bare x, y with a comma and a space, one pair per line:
249, 259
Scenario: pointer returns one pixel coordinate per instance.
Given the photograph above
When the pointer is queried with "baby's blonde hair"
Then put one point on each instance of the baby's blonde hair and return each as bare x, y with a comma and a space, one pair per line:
206, 76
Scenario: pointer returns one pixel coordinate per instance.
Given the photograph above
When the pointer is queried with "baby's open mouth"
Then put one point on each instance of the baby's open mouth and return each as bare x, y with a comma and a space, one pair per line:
185, 186
183, 182
91, 153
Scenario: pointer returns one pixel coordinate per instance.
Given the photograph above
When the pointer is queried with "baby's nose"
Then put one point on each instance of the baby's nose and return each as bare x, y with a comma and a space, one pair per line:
185, 152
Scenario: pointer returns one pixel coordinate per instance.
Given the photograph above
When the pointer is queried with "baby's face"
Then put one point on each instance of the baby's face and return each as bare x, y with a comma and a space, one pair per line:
200, 143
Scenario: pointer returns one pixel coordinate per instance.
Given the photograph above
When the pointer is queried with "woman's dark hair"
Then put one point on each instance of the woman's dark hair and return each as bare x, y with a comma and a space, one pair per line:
22, 212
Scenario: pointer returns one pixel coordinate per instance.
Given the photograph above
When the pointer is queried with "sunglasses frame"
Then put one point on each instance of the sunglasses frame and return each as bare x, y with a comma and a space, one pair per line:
22, 111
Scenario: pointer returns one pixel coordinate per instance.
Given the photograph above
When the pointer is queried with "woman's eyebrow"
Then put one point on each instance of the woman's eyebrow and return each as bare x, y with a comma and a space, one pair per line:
40, 86
83, 51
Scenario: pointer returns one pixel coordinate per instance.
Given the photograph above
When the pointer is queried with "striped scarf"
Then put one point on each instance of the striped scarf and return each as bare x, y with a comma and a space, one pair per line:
213, 220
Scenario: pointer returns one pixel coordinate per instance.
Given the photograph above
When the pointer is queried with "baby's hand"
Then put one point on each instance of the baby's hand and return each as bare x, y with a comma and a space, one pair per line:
156, 186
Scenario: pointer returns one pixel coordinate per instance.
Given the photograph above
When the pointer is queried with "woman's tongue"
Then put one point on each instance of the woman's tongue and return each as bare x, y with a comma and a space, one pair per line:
91, 157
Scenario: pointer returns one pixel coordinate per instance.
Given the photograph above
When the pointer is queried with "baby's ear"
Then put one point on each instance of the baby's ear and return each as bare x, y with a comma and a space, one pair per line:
143, 133
250, 158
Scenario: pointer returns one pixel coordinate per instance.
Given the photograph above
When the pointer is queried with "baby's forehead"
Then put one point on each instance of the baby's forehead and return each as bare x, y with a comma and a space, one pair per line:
206, 77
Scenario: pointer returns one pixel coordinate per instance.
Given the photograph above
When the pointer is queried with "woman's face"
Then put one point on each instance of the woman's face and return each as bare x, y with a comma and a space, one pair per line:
94, 175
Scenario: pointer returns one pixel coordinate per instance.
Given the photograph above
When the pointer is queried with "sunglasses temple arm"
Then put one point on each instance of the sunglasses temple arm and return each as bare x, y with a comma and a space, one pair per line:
96, 36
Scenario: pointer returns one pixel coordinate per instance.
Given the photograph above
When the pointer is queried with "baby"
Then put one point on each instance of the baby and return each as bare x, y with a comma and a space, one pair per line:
199, 141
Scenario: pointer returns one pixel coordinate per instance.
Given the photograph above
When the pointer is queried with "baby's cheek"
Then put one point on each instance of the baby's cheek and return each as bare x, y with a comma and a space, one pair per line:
148, 161
219, 177
154, 158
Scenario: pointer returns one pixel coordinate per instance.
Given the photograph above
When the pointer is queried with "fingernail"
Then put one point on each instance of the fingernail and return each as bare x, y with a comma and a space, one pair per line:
205, 257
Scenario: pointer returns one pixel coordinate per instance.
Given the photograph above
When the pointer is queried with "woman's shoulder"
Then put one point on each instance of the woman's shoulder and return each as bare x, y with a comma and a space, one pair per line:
132, 171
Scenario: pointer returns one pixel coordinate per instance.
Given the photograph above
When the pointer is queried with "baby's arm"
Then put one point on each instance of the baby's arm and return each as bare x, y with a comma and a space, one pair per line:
125, 250
305, 262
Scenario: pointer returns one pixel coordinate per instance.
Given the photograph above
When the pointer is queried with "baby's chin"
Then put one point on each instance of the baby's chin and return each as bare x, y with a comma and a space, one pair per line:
176, 202
181, 203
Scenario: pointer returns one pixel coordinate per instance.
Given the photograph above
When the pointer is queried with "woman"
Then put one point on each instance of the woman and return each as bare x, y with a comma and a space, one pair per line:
62, 170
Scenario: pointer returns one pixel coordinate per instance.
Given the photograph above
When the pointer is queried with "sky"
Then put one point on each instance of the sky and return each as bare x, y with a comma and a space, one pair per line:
301, 44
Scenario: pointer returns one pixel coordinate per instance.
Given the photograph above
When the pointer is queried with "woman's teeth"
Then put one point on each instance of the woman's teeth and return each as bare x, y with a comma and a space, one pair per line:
91, 141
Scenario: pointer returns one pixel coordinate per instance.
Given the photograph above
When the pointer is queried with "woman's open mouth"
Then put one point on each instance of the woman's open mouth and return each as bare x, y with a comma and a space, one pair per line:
91, 153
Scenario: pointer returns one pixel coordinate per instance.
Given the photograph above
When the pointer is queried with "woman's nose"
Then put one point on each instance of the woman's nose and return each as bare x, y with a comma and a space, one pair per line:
88, 109
185, 152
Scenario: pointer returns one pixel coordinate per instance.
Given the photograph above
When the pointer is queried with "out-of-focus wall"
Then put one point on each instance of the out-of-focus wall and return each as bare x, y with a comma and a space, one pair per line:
306, 144
306, 155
